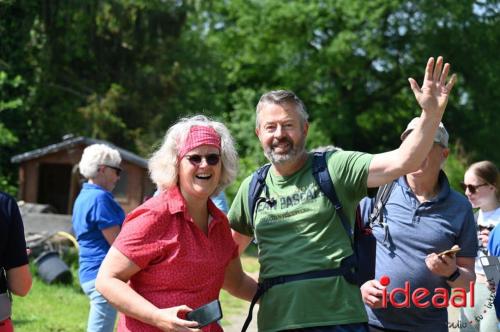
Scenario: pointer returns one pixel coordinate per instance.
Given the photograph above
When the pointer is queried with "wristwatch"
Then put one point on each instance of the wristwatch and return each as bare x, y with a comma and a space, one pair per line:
454, 276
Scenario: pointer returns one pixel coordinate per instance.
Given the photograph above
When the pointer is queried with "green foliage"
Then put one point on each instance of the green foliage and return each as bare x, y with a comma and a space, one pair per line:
100, 113
10, 102
97, 68
455, 166
126, 70
349, 60
6, 185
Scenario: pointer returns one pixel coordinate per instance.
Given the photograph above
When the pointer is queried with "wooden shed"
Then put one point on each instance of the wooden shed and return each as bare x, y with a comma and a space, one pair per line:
50, 175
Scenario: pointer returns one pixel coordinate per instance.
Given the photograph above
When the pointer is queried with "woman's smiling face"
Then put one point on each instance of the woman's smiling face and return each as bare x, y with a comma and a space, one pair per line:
199, 180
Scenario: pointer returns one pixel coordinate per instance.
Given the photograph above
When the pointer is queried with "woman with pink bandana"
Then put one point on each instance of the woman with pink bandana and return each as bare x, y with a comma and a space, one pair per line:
175, 252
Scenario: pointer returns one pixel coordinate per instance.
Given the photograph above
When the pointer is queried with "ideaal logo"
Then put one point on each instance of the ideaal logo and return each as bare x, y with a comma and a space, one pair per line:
440, 298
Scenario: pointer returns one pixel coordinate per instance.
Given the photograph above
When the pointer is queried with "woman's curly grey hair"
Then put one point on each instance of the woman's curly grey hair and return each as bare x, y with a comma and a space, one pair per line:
95, 155
163, 165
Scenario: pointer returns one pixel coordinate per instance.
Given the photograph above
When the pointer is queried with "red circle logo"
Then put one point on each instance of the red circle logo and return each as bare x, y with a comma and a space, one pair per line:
385, 280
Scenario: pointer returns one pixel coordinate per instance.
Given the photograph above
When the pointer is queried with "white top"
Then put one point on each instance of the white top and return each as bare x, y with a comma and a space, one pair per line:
486, 219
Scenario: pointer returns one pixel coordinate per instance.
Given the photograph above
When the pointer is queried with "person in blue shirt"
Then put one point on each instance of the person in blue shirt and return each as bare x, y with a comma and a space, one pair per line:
97, 219
423, 216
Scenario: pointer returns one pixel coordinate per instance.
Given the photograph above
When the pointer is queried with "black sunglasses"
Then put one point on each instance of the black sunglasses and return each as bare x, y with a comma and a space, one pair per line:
472, 188
118, 170
212, 159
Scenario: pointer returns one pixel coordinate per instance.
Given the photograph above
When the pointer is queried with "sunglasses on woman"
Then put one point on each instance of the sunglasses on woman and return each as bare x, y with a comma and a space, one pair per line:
472, 188
211, 159
117, 170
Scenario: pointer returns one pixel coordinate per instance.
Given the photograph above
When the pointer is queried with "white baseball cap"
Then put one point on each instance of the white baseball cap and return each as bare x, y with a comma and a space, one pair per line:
440, 137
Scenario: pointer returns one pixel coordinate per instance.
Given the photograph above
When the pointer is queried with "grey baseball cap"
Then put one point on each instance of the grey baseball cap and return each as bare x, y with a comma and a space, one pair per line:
440, 137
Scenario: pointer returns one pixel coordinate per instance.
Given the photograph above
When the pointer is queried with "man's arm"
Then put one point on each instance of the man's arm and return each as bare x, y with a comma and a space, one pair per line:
432, 98
17, 269
467, 274
237, 282
446, 265
19, 280
241, 240
114, 273
111, 233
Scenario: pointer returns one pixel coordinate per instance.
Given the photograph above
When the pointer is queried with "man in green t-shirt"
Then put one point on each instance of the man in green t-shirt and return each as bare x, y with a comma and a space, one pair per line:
296, 226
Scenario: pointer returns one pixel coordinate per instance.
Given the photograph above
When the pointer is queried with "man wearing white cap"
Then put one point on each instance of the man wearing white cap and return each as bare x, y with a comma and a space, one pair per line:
423, 216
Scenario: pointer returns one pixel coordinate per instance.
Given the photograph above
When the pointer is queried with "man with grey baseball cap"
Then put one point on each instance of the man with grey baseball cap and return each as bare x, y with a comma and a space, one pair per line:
440, 137
422, 217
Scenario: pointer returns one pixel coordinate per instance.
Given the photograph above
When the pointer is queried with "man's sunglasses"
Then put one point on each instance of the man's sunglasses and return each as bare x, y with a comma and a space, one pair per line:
118, 170
212, 159
472, 188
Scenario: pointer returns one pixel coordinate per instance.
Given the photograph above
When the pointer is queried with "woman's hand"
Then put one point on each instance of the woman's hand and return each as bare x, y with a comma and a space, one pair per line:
483, 236
168, 320
111, 282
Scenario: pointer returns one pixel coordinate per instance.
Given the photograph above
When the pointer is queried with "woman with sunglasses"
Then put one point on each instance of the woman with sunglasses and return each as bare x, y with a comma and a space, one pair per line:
175, 251
481, 186
97, 219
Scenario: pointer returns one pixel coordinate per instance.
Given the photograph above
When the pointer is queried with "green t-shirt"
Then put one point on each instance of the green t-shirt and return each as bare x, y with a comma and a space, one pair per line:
301, 233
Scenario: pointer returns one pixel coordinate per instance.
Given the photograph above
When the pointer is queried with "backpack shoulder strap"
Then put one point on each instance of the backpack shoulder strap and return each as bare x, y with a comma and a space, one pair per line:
257, 183
383, 194
322, 177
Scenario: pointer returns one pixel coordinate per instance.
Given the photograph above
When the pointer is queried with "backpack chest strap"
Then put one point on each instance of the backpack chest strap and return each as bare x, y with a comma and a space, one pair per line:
346, 270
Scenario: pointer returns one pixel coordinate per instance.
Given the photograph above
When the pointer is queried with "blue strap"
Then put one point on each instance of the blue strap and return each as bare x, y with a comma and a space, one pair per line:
322, 177
257, 183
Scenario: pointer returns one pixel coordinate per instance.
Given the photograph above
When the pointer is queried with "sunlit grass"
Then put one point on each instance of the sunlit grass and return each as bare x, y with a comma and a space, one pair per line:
51, 308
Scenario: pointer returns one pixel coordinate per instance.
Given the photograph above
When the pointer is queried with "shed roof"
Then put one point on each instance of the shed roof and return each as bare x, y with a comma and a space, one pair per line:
75, 141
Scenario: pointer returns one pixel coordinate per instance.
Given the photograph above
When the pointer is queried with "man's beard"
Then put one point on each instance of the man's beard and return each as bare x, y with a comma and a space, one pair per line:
294, 151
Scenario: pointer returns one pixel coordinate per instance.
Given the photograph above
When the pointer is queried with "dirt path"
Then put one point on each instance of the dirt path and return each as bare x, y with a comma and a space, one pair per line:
235, 323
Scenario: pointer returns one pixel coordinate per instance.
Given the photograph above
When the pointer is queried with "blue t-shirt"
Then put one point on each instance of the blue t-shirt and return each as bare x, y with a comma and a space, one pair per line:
220, 201
95, 209
415, 230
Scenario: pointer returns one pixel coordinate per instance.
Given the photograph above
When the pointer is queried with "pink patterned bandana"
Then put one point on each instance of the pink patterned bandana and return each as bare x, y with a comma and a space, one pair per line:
200, 135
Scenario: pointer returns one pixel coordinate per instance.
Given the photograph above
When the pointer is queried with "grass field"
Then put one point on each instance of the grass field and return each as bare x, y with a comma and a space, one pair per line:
64, 308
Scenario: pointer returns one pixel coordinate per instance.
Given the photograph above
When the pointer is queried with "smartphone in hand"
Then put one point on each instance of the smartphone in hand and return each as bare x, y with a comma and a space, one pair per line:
206, 314
450, 252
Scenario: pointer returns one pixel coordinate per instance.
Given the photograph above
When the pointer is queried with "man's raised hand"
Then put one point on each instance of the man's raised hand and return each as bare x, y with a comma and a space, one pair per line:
433, 95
